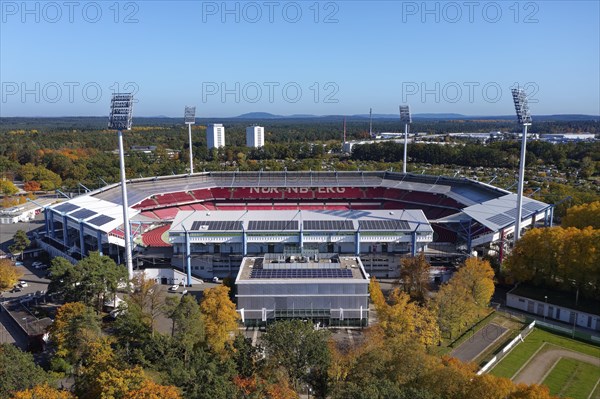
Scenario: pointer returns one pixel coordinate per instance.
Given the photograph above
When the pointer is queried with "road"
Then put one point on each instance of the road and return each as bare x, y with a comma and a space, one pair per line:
479, 342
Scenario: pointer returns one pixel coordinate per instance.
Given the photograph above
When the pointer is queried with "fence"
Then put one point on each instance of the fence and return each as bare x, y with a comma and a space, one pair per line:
569, 332
507, 348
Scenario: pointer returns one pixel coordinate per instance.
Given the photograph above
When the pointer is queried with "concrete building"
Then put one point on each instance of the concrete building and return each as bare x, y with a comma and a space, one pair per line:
215, 135
255, 136
328, 289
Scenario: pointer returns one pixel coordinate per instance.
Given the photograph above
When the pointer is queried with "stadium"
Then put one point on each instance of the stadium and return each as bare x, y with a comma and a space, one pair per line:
287, 238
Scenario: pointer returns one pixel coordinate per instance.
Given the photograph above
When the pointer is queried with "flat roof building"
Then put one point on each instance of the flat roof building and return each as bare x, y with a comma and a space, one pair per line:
329, 289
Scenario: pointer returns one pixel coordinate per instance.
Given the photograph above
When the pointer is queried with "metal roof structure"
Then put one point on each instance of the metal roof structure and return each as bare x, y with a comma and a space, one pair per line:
314, 220
501, 212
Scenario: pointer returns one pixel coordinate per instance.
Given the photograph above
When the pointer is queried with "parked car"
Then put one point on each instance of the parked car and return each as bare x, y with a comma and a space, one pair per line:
16, 288
23, 284
36, 264
173, 288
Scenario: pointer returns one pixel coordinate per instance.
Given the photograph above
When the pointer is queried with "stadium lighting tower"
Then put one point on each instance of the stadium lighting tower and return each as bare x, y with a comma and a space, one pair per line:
405, 117
121, 107
524, 118
190, 119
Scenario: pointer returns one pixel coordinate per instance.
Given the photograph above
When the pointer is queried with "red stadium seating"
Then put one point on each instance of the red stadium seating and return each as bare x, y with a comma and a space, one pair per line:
221, 193
263, 193
203, 194
148, 203
166, 213
338, 192
149, 214
304, 193
186, 208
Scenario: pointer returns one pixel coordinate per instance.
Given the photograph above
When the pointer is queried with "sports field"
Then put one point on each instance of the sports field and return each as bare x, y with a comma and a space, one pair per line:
569, 368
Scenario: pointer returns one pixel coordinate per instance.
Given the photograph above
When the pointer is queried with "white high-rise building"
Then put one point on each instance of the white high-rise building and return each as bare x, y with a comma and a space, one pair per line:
215, 135
255, 136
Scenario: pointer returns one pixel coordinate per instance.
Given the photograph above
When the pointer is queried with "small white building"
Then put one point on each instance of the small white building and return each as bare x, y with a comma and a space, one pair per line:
548, 309
24, 212
255, 136
215, 135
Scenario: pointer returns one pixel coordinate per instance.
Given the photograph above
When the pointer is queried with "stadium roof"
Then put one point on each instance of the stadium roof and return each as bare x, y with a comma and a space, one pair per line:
291, 220
501, 212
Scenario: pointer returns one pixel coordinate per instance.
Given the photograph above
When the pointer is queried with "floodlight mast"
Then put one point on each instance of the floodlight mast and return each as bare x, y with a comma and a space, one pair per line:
524, 118
190, 119
405, 117
121, 108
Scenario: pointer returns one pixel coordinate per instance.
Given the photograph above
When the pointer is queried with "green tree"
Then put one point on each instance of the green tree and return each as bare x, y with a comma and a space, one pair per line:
301, 351
20, 242
188, 325
100, 278
18, 371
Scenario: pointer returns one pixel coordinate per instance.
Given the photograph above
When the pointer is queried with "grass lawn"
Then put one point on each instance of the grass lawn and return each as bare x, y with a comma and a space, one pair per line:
508, 366
572, 378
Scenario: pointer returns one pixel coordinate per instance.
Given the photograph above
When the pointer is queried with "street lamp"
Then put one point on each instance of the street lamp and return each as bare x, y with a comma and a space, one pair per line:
524, 118
545, 306
405, 117
121, 107
190, 119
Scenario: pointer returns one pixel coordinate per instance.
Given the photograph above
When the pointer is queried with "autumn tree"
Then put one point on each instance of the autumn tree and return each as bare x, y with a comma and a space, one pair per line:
44, 391
151, 390
582, 216
9, 274
32, 186
477, 276
74, 328
414, 276
148, 297
220, 318
7, 188
453, 307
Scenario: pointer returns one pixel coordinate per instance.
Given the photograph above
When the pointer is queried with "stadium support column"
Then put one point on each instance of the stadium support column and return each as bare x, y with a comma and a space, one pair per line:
414, 243
470, 238
551, 216
244, 242
357, 243
81, 239
65, 231
501, 251
52, 231
99, 238
188, 257
46, 222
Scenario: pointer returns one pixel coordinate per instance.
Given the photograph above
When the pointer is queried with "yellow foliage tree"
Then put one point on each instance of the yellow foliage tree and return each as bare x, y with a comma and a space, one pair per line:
75, 327
9, 274
43, 392
151, 390
582, 216
477, 276
220, 318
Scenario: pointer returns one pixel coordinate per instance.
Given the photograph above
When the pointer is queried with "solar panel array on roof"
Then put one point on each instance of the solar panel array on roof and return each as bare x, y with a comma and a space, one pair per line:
387, 225
273, 225
300, 273
501, 219
533, 207
101, 220
513, 213
330, 225
64, 208
217, 225
83, 214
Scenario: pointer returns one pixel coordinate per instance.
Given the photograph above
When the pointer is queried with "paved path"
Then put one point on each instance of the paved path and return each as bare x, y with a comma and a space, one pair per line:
537, 368
479, 342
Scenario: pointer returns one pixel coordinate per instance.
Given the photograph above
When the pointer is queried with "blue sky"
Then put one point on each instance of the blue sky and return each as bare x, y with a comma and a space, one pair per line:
305, 57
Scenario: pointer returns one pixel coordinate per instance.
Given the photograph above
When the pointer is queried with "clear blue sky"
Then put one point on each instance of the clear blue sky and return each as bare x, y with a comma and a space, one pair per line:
345, 56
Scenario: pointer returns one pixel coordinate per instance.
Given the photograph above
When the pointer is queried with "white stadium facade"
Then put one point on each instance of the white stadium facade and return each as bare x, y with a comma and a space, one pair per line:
209, 224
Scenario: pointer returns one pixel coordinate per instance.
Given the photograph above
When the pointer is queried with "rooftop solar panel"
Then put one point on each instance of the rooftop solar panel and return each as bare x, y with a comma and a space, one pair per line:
330, 225
513, 213
300, 273
101, 220
64, 208
217, 225
533, 207
384, 225
273, 225
501, 219
83, 214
